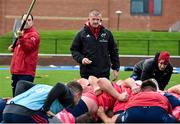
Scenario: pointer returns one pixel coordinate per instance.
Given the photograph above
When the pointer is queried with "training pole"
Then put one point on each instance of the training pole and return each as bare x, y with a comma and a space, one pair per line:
24, 21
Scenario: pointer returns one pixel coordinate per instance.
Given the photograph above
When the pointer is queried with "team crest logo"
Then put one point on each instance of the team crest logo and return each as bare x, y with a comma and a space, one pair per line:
103, 35
87, 35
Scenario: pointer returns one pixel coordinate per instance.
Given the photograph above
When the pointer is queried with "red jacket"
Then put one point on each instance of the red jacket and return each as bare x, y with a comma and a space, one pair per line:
24, 59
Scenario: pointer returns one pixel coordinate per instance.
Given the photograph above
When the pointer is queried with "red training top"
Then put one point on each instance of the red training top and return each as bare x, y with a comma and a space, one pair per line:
25, 55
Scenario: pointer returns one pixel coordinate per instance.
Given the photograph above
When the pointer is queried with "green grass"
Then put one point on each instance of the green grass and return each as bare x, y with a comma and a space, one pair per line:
129, 43
52, 77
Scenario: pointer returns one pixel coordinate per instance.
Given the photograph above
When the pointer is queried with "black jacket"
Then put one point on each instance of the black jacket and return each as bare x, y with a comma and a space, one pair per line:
101, 51
148, 68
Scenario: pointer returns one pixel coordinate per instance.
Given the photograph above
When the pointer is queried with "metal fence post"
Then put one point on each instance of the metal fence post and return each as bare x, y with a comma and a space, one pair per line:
55, 46
148, 45
118, 43
178, 47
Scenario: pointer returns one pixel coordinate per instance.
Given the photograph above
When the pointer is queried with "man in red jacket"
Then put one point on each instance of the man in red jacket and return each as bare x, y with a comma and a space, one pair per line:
25, 54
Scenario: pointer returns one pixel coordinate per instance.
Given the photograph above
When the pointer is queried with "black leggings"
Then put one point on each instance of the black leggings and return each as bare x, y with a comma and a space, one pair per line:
16, 78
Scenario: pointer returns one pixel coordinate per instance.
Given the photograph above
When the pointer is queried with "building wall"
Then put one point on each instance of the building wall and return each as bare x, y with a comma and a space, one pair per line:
72, 14
2, 19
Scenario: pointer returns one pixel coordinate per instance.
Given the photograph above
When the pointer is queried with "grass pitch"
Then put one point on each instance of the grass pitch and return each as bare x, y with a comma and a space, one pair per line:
52, 77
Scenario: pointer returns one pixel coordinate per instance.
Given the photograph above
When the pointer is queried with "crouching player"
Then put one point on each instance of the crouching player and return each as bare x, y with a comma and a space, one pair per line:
40, 102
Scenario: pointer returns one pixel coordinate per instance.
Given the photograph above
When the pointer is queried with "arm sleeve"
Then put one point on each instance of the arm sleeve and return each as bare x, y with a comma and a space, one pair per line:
146, 71
76, 49
30, 43
57, 92
168, 77
165, 80
113, 51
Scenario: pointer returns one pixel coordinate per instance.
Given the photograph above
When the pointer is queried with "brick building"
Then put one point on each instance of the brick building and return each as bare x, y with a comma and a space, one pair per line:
137, 15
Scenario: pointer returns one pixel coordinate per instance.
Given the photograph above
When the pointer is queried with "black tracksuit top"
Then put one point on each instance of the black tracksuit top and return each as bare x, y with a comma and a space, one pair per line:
102, 52
148, 68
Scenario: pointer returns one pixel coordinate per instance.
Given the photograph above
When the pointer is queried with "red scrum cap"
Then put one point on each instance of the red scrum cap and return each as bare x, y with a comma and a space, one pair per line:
164, 55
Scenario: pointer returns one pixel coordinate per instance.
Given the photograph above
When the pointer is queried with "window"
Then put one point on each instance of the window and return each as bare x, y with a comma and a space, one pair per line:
146, 7
157, 7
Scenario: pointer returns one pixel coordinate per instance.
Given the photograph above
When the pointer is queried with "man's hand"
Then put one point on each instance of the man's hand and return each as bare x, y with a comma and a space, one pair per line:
100, 111
135, 89
50, 114
86, 61
10, 49
19, 33
123, 96
115, 74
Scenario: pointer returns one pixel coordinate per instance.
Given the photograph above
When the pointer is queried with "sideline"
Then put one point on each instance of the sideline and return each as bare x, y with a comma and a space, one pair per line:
131, 56
176, 70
